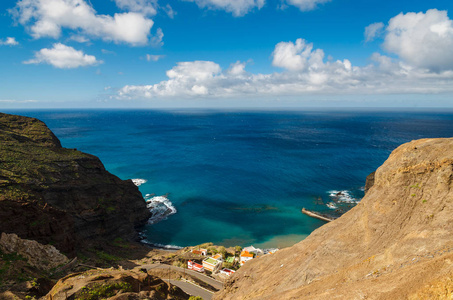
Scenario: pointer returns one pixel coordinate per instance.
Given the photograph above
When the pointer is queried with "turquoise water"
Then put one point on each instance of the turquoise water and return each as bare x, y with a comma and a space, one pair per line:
241, 178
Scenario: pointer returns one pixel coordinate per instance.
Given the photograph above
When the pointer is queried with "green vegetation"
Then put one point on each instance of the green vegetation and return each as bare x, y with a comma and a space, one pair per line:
205, 245
179, 264
424, 201
222, 251
195, 298
119, 242
7, 272
228, 265
415, 186
31, 156
106, 257
212, 250
102, 291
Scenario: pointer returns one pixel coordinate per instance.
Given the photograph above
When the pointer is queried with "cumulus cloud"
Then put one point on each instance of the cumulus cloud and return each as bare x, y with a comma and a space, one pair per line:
306, 5
373, 31
47, 18
236, 69
423, 63
9, 41
236, 7
297, 56
306, 72
424, 40
63, 57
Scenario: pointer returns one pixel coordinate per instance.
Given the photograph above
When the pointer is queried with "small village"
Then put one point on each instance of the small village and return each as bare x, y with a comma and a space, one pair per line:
223, 264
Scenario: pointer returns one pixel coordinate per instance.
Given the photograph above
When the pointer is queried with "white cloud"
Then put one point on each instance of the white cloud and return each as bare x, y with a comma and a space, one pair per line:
236, 69
63, 57
169, 11
423, 64
150, 57
424, 40
156, 40
307, 75
306, 5
146, 7
9, 41
298, 56
105, 51
236, 7
373, 31
47, 18
79, 39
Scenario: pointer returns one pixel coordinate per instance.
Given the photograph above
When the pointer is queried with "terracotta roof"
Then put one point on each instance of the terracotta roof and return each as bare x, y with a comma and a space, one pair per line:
246, 254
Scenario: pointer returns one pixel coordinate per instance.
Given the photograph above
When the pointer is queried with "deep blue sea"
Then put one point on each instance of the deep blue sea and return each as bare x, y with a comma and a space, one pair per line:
242, 177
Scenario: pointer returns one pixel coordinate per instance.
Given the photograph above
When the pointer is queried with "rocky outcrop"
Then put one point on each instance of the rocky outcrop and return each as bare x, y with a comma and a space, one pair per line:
61, 196
397, 243
43, 257
369, 182
114, 284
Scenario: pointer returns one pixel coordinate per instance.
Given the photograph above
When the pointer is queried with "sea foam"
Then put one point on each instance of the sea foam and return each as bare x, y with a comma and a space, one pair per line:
161, 246
160, 206
342, 196
139, 181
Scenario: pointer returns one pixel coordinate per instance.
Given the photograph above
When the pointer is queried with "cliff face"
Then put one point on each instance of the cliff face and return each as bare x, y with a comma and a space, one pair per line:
396, 244
61, 196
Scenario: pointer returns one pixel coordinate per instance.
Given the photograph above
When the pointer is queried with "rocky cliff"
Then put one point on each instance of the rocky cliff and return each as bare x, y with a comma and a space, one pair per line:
396, 244
61, 196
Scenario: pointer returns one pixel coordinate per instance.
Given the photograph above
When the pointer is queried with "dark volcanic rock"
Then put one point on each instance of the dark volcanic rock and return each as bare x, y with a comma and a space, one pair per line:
369, 181
61, 196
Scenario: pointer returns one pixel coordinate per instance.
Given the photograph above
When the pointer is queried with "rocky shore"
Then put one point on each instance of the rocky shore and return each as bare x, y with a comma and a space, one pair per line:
61, 196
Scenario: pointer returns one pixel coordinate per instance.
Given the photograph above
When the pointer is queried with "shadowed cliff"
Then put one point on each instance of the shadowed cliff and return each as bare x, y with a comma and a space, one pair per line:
396, 244
61, 196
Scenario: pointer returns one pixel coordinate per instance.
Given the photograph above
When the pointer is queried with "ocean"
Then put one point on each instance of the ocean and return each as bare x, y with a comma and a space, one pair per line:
242, 177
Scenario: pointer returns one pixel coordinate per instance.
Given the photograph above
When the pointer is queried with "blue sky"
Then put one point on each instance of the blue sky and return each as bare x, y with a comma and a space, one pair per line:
219, 53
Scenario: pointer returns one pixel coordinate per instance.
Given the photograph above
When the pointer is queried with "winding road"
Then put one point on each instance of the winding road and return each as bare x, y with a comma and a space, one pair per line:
188, 287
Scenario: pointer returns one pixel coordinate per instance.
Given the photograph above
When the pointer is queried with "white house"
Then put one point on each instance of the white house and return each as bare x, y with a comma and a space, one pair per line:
213, 263
227, 272
246, 256
194, 266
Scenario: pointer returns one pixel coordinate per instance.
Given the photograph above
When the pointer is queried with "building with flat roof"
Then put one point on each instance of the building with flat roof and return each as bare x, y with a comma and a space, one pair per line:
194, 266
212, 264
246, 256
230, 259
227, 272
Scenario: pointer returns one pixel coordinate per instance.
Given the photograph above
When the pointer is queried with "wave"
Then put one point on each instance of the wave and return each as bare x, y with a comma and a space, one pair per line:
160, 206
342, 196
139, 181
161, 246
331, 205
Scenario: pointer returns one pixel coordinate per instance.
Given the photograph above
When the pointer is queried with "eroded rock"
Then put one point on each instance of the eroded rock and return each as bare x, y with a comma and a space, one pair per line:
43, 257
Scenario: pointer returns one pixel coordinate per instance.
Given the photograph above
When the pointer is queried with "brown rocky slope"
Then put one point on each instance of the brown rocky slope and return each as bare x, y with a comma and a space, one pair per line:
396, 244
61, 196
